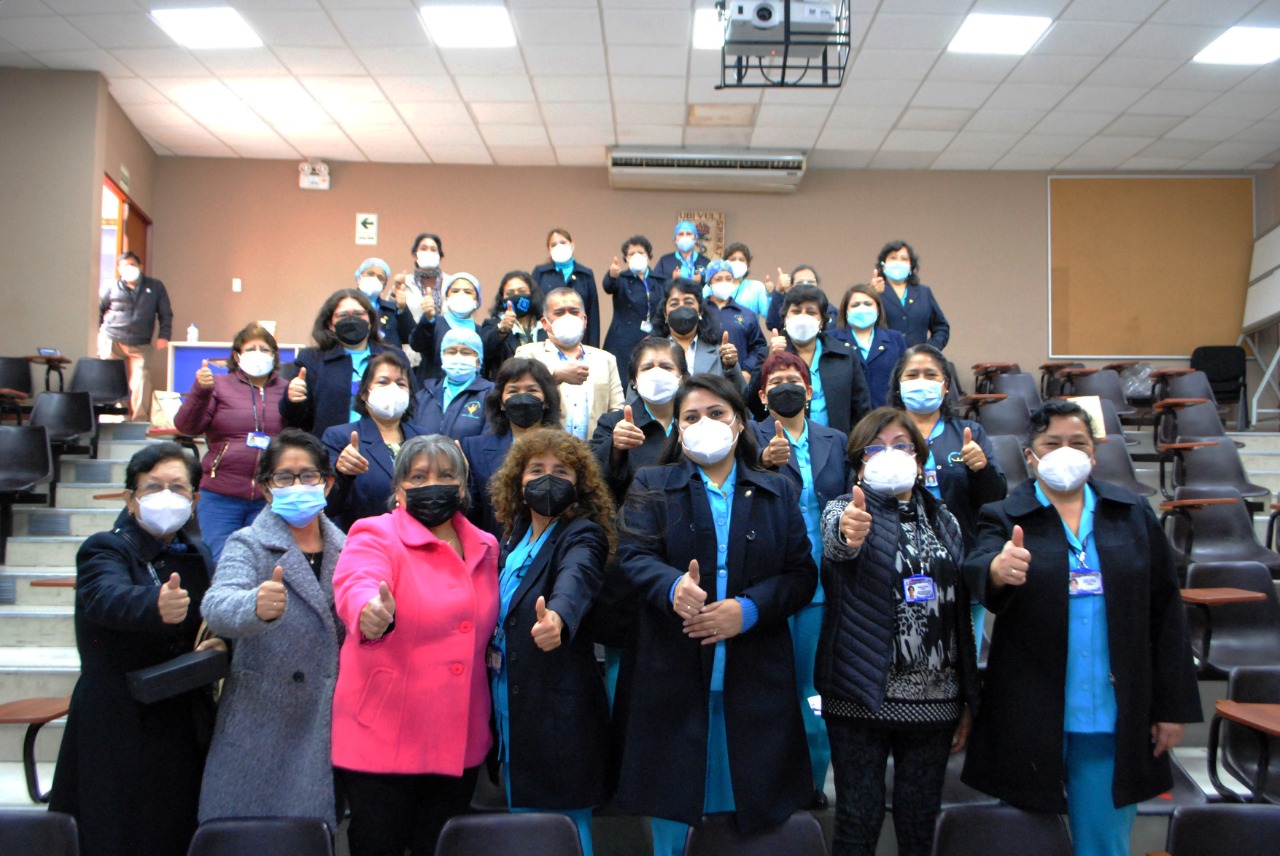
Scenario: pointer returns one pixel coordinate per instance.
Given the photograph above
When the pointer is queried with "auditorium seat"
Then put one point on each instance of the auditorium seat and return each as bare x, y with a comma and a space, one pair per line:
718, 835
1243, 634
523, 834
1023, 385
1252, 830
983, 830
1210, 462
1213, 525
262, 836
1225, 368
1009, 415
1113, 464
1104, 383
1239, 748
1013, 463
36, 832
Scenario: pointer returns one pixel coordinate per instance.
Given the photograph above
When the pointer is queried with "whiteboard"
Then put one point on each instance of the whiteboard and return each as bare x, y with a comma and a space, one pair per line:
1262, 301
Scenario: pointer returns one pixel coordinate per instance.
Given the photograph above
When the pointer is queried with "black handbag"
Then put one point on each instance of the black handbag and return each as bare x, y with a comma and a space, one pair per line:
182, 674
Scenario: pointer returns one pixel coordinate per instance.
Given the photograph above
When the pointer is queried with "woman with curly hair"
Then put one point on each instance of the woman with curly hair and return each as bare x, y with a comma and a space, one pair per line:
557, 511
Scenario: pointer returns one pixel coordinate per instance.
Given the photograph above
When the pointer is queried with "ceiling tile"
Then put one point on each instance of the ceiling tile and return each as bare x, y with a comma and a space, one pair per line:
1219, 13
446, 135
523, 155
629, 27
1184, 149
1260, 132
650, 135
976, 142
1088, 98
343, 90
266, 150
1110, 10
637, 112
92, 60
917, 141
1024, 163
929, 7
542, 59
1089, 38
135, 91
293, 29
877, 93
1058, 145
581, 155
571, 88
784, 138
597, 112
426, 114
1122, 148
45, 34
902, 64
779, 114
418, 88
717, 136
1267, 14
250, 62
1067, 122
664, 61
1018, 96
965, 160
830, 159
482, 61
1142, 126
1172, 102
24, 8
1217, 78
1162, 40
556, 26
1233, 155
1005, 121
201, 150
1152, 164
1045, 8
503, 87
665, 89
889, 31
15, 59
1133, 71
360, 114
506, 113
1243, 105
879, 118
513, 135
153, 116
161, 62
388, 153
459, 154
973, 68
852, 139
381, 28
943, 94
581, 135
401, 61
74, 7
824, 95
320, 61
131, 30
1215, 128
902, 160
1046, 68
934, 119
696, 93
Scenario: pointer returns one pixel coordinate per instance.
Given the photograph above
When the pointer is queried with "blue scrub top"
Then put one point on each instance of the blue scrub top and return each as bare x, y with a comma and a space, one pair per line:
931, 464
818, 404
810, 508
359, 359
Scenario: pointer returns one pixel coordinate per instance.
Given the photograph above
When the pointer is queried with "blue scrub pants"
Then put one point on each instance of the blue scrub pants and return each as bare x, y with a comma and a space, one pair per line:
806, 625
669, 835
1098, 828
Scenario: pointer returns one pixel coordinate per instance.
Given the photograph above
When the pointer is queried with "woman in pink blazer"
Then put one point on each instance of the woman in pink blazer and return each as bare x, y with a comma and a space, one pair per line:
417, 590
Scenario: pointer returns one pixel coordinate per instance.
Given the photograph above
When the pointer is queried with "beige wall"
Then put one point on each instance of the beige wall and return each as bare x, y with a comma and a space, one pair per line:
981, 236
1266, 201
121, 145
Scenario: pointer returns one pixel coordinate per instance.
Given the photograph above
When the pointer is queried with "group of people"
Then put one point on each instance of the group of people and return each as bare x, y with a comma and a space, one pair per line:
779, 532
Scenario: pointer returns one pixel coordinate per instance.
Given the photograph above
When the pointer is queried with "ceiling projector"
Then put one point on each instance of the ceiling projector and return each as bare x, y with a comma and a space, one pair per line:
755, 27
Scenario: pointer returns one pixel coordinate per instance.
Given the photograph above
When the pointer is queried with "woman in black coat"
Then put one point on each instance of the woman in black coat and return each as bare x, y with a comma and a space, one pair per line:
909, 307
547, 691
565, 270
706, 699
323, 380
638, 292
1128, 690
128, 772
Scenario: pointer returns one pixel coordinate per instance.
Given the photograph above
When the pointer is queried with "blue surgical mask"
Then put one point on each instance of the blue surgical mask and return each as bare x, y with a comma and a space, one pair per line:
684, 245
921, 395
897, 271
458, 368
862, 318
298, 504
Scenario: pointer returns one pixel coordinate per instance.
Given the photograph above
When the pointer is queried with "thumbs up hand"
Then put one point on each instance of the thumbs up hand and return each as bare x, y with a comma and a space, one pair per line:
971, 453
777, 342
784, 281
378, 613
350, 462
1009, 567
508, 319
778, 452
272, 596
401, 295
173, 601
428, 304
877, 281
298, 387
204, 376
728, 352
689, 596
615, 268
855, 522
549, 628
626, 436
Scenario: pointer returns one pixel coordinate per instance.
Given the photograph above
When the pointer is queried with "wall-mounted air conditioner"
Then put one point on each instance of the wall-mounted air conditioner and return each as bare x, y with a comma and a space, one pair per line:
682, 169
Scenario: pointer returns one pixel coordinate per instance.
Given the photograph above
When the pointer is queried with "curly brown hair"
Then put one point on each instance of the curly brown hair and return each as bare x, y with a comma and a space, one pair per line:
506, 489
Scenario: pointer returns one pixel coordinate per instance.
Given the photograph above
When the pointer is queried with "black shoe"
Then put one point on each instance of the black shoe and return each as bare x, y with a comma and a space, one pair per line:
820, 801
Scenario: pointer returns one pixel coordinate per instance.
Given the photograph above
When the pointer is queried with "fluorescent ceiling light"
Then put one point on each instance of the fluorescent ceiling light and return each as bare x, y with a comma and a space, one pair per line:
708, 30
1012, 35
206, 29
469, 26
1243, 46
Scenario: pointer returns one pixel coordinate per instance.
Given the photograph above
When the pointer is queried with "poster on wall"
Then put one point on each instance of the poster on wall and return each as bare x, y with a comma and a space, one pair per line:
710, 226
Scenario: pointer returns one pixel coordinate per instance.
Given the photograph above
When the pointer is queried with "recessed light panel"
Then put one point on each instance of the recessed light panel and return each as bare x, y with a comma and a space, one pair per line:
1010, 35
1243, 46
215, 28
469, 26
708, 30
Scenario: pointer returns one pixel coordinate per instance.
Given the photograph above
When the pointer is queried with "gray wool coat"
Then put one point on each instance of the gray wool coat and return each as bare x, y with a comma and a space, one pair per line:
270, 754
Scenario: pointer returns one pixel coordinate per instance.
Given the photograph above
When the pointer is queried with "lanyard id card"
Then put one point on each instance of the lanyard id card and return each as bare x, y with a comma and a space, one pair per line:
493, 655
930, 477
1085, 583
257, 440
919, 589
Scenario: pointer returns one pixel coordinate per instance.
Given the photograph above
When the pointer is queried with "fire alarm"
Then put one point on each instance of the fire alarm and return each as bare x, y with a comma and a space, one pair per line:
313, 175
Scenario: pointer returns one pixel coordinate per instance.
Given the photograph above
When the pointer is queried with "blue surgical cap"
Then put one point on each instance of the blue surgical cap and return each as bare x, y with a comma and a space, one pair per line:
685, 226
463, 336
368, 263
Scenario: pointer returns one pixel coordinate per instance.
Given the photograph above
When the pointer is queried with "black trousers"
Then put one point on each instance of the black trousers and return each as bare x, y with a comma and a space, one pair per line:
859, 755
393, 812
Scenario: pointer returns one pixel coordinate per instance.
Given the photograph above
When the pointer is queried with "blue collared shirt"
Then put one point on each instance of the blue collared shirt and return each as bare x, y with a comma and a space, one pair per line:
359, 359
810, 508
931, 464
1090, 696
451, 390
818, 404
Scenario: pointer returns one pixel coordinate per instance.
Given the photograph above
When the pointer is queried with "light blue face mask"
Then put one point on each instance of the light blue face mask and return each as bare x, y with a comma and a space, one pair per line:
921, 395
897, 271
684, 245
458, 368
298, 504
861, 319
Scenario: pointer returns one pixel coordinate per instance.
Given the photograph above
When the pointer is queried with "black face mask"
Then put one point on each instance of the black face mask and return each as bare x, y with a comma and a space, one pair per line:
682, 320
521, 304
550, 495
786, 399
351, 331
524, 410
433, 504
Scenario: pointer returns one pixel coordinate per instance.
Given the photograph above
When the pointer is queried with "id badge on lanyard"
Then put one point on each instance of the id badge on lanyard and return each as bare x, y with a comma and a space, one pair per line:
1084, 581
646, 326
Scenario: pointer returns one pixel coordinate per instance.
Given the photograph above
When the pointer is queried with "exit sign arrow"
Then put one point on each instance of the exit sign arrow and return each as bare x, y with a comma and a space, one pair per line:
366, 229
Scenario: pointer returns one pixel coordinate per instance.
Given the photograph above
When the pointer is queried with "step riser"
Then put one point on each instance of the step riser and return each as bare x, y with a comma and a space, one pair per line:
81, 496
47, 743
41, 553
121, 450
1261, 442
22, 631
123, 431
34, 683
29, 595
99, 472
78, 522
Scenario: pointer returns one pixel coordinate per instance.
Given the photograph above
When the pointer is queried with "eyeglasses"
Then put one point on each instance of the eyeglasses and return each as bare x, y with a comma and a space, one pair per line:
154, 488
876, 449
351, 313
284, 478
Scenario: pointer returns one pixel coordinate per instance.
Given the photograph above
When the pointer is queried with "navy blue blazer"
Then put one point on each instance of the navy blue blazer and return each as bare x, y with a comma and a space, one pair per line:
631, 306
329, 388
920, 319
773, 320
353, 498
646, 454
827, 458
500, 347
744, 333
396, 325
669, 266
963, 491
484, 453
583, 281
843, 384
426, 340
465, 416
886, 347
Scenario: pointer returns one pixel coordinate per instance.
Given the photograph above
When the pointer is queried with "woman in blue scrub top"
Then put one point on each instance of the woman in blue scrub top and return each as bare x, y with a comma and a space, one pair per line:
706, 702
813, 456
453, 405
547, 693
861, 323
637, 293
1086, 690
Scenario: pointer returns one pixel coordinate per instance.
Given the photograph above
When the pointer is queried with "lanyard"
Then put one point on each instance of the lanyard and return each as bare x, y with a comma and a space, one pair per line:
253, 402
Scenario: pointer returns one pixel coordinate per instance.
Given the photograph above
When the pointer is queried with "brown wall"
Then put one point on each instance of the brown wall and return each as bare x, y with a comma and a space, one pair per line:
1266, 201
122, 146
981, 236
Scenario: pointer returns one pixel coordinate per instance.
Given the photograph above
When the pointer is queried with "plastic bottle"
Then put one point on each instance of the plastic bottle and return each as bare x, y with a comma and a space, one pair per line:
193, 333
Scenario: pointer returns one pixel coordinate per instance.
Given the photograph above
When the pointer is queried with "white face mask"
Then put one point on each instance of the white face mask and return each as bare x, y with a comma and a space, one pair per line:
892, 471
561, 253
1064, 469
568, 330
163, 513
739, 269
802, 328
657, 386
708, 441
388, 402
256, 363
428, 260
371, 286
461, 304
130, 273
723, 290
638, 262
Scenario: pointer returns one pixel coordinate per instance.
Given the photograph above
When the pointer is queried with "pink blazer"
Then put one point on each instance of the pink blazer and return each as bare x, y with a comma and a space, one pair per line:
417, 700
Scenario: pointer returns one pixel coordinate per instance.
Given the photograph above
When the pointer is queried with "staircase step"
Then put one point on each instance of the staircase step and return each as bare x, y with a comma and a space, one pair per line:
80, 522
1257, 441
16, 587
81, 495
26, 551
123, 431
75, 468
47, 743
25, 626
30, 672
124, 449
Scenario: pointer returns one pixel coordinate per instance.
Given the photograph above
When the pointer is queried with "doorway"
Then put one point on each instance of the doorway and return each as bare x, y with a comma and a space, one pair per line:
125, 228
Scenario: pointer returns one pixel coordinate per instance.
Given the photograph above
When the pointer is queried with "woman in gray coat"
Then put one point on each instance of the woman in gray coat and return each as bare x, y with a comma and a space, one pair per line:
272, 596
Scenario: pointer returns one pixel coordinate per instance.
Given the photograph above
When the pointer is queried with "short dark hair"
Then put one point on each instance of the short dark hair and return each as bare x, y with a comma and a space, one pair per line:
535, 293
250, 331
1057, 408
816, 276
638, 239
806, 294
657, 343
413, 251
129, 254
747, 449
869, 427
386, 358
709, 325
842, 318
320, 332
514, 369
558, 231
738, 246
895, 382
913, 278
292, 438
153, 455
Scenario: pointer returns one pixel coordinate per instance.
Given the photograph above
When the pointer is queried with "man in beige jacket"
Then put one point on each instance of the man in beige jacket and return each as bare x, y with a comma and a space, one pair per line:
588, 377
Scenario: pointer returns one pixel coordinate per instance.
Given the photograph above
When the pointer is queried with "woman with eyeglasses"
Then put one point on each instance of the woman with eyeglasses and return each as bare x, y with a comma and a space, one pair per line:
238, 413
515, 319
363, 452
417, 590
896, 667
715, 547
273, 595
324, 380
129, 772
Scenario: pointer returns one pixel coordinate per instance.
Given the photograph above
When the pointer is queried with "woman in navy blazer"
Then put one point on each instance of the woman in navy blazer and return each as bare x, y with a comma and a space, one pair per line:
909, 307
637, 302
454, 404
557, 274
861, 323
363, 452
323, 380
813, 456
